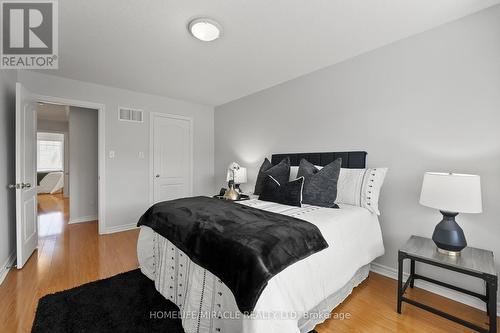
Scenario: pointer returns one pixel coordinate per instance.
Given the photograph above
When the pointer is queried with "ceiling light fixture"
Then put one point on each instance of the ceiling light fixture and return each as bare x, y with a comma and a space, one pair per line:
205, 29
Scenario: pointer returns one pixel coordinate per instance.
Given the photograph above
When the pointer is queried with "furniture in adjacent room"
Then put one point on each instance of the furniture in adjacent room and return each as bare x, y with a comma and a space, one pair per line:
51, 183
471, 261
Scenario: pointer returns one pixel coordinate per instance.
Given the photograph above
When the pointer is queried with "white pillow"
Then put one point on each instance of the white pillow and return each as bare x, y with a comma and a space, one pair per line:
360, 187
294, 170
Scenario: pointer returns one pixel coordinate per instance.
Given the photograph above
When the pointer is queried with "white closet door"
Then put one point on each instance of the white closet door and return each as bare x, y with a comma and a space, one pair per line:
172, 157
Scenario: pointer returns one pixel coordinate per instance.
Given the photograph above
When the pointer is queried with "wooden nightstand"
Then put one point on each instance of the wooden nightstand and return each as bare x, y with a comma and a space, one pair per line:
471, 261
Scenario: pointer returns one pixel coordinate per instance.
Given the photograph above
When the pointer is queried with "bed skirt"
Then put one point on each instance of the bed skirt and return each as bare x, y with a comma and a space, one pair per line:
208, 306
331, 302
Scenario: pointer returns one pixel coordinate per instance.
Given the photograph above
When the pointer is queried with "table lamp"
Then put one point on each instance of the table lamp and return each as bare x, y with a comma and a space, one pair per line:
451, 193
237, 174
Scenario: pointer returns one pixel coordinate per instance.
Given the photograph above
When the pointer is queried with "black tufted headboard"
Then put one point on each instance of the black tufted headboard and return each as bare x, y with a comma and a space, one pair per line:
350, 159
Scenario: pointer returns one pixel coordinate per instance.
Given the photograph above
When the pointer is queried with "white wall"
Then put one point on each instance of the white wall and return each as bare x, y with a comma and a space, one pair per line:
7, 170
127, 175
83, 164
427, 103
44, 125
66, 164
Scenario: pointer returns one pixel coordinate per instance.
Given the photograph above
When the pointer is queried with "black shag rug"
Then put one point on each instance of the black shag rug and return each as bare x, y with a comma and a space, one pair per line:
127, 302
122, 303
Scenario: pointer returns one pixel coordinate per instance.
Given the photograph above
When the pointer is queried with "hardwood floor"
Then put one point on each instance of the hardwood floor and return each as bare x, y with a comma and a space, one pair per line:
372, 308
70, 255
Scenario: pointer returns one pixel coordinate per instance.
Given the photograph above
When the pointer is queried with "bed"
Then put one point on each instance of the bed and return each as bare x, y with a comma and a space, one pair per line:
294, 300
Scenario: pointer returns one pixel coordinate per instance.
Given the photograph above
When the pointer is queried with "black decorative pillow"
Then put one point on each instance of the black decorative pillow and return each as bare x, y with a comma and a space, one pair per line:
290, 193
320, 185
280, 172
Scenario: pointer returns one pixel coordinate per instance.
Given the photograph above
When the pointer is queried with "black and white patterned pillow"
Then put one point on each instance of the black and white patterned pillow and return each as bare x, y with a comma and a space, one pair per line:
361, 187
289, 193
320, 184
280, 172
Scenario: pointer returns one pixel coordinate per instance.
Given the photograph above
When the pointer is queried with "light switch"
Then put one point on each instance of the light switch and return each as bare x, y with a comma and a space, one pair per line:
111, 154
141, 155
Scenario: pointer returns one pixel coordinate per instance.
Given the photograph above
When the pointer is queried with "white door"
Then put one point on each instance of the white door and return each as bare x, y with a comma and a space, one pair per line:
25, 187
171, 157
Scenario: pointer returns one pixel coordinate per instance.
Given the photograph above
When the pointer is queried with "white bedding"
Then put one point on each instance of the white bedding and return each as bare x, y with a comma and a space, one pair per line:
354, 238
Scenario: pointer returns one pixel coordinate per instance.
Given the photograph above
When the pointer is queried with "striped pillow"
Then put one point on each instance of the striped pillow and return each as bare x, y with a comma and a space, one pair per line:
360, 187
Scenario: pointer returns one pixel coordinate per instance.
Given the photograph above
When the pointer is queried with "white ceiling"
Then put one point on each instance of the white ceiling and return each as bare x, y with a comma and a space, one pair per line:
145, 46
52, 112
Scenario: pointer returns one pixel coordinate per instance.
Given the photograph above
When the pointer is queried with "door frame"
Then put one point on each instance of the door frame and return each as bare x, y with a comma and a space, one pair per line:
152, 116
101, 149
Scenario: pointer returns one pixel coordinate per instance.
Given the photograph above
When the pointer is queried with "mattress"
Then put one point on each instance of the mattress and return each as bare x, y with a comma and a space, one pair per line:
295, 300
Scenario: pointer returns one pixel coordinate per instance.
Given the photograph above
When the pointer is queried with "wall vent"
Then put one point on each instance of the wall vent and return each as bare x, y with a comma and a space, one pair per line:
128, 114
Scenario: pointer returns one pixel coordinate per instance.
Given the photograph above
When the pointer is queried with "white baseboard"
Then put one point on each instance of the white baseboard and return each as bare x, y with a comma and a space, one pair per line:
5, 268
119, 228
436, 289
83, 219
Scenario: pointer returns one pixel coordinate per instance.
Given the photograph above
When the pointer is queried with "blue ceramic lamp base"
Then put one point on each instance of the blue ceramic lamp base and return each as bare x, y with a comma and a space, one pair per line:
448, 236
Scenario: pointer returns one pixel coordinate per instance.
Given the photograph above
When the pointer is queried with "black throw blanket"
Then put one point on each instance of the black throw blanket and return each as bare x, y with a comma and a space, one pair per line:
243, 246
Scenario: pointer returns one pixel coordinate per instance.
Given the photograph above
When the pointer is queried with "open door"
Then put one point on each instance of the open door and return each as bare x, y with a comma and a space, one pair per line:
25, 187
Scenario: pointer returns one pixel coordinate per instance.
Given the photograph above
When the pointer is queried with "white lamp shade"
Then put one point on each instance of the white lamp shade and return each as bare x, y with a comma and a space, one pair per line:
240, 175
452, 192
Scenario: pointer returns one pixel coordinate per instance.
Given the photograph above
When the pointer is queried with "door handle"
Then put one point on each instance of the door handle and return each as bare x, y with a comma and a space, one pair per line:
157, 176
19, 186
